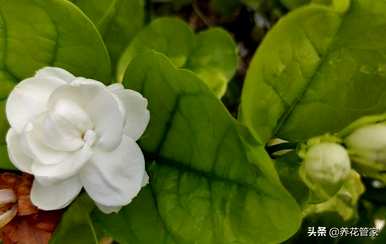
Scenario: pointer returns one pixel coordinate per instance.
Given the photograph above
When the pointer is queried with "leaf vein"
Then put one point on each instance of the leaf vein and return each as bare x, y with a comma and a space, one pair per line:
288, 112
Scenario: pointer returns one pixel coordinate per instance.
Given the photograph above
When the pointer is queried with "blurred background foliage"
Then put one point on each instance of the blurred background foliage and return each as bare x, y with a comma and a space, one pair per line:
247, 20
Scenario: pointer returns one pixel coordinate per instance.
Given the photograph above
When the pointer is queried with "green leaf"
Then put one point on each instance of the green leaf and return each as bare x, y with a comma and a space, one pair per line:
76, 225
287, 167
309, 78
137, 223
38, 33
170, 36
344, 203
214, 59
211, 54
117, 20
5, 87
5, 162
210, 180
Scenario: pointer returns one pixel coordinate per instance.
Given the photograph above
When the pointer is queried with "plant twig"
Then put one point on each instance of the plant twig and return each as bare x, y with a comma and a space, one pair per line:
199, 13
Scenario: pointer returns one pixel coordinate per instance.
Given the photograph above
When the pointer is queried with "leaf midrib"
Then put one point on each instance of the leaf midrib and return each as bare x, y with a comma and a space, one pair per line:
179, 166
157, 156
289, 111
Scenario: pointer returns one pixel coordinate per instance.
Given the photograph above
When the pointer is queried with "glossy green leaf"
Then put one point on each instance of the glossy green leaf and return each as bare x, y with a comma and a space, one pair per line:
309, 78
38, 33
213, 59
117, 20
211, 54
137, 223
344, 203
210, 180
170, 36
287, 167
76, 225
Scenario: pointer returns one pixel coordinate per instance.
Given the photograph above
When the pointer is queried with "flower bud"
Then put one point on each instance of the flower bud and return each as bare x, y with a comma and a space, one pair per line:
327, 163
368, 143
326, 166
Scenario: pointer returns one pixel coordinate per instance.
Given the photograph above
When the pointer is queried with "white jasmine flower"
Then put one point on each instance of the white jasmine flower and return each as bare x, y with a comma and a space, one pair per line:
71, 132
327, 163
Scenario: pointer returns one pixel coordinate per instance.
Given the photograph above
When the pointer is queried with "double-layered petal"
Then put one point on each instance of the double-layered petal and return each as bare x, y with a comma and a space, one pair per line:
71, 132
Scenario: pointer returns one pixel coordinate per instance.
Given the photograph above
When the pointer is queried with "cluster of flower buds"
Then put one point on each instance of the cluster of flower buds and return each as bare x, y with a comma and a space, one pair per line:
327, 159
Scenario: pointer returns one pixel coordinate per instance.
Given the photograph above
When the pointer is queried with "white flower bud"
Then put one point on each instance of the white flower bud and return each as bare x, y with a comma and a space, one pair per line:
327, 163
369, 142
